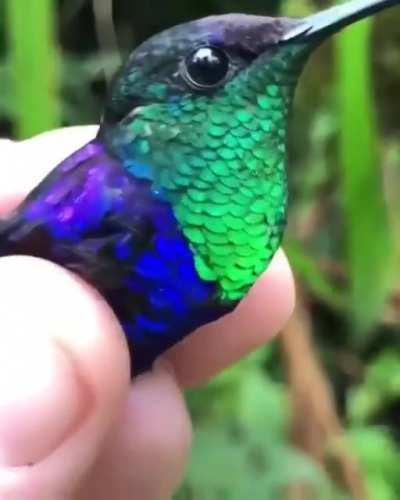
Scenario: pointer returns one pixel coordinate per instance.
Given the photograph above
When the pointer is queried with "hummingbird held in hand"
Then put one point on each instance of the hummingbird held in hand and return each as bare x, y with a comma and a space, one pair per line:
179, 203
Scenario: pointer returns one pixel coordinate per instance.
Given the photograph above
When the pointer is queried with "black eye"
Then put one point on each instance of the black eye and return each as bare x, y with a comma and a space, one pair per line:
206, 67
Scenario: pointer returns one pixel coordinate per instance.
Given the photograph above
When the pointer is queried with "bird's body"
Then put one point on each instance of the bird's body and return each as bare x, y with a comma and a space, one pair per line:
99, 221
179, 204
172, 253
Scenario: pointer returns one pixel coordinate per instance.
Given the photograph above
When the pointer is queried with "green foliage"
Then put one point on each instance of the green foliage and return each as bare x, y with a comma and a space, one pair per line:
369, 250
317, 282
381, 387
376, 447
79, 104
379, 458
243, 451
34, 66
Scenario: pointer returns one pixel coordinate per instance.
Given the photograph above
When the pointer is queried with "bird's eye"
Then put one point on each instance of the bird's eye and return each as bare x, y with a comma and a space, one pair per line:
206, 67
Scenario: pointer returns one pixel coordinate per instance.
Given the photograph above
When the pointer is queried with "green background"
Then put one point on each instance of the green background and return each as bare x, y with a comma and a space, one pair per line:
257, 425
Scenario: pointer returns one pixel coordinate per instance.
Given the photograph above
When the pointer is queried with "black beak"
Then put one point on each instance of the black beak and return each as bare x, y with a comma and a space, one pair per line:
327, 22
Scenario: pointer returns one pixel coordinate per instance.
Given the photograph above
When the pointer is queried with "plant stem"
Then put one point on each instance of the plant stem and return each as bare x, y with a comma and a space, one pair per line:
33, 59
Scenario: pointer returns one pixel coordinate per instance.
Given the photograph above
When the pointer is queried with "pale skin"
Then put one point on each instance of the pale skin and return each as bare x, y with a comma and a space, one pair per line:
72, 424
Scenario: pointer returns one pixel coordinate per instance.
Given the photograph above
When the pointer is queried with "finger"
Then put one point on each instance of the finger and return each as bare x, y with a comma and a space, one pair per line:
24, 164
64, 372
145, 455
261, 315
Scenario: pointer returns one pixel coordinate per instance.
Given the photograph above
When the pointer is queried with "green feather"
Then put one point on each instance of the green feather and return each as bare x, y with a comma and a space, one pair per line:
220, 160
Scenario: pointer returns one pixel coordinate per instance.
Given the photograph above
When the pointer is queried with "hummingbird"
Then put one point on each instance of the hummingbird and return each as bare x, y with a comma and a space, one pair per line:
178, 204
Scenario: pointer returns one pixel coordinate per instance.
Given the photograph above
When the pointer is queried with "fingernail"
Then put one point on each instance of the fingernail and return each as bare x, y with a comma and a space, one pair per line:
40, 398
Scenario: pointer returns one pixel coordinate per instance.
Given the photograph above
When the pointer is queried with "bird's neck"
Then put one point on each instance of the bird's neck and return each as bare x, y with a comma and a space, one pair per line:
221, 162
234, 209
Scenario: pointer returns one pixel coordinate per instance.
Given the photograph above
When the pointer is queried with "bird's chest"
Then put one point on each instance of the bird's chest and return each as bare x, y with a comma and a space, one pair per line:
234, 228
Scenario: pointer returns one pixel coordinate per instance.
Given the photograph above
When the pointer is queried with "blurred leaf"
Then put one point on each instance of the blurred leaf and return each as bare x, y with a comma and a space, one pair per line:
307, 269
262, 399
34, 65
77, 102
380, 459
238, 463
297, 8
380, 387
218, 400
369, 251
7, 103
80, 104
243, 451
392, 185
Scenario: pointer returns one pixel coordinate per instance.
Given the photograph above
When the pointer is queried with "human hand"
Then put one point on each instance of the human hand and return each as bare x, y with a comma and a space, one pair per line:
72, 424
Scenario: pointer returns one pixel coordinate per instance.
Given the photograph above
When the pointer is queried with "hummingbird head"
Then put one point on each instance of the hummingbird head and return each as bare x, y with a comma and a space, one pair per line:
199, 59
206, 56
200, 111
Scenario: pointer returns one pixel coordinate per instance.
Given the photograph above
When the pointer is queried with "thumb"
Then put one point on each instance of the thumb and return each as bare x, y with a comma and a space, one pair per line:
64, 371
